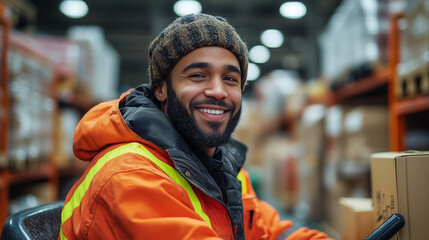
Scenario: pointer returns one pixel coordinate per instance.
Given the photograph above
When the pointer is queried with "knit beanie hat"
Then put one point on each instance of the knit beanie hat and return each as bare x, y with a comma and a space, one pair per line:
188, 33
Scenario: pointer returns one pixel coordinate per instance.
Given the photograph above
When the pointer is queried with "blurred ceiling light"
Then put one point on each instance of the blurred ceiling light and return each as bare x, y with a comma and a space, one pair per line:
253, 72
259, 54
74, 8
293, 10
272, 38
185, 7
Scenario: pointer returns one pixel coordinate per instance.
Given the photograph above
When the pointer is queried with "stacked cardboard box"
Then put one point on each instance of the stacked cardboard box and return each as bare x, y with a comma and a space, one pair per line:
32, 104
271, 158
66, 122
366, 132
98, 63
333, 187
280, 171
356, 218
311, 136
351, 135
248, 132
399, 185
413, 70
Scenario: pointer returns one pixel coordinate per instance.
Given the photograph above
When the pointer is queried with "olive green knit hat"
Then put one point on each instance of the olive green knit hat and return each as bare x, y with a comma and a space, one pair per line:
188, 33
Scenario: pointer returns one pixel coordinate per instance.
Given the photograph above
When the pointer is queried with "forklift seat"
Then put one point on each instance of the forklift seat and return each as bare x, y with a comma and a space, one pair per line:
42, 222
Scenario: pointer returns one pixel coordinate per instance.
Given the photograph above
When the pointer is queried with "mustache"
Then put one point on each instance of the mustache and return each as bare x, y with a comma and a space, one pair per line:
211, 101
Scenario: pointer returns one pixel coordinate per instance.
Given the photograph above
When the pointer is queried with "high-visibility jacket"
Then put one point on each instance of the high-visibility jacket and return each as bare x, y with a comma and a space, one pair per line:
143, 182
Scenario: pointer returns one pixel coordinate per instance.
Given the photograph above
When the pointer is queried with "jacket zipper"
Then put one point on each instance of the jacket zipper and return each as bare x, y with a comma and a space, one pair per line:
205, 192
227, 211
251, 218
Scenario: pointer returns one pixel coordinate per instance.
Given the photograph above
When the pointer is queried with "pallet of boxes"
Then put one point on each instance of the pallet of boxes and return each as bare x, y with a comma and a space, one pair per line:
413, 70
399, 185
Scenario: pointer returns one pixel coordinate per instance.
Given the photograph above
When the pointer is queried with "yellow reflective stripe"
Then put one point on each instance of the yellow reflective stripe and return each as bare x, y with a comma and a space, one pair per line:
173, 174
62, 234
137, 148
242, 179
80, 191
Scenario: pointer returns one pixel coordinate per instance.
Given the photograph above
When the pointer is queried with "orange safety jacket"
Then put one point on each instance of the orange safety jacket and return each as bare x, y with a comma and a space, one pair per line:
143, 182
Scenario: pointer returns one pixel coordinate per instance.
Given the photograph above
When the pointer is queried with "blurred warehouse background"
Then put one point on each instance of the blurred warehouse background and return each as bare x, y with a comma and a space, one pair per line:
129, 26
330, 83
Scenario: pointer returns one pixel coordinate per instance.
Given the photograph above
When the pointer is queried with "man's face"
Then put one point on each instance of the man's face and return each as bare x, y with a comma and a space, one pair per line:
204, 96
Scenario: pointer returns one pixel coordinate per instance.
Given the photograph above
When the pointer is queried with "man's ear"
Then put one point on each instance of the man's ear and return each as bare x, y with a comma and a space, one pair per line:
161, 91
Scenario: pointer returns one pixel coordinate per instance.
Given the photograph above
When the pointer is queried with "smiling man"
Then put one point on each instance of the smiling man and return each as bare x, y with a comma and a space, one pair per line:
163, 164
204, 96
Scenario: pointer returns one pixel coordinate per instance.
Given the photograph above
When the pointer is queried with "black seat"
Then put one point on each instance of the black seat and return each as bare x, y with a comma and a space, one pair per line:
42, 222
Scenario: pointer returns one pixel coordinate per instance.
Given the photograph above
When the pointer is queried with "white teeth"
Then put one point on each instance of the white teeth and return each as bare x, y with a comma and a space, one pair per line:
211, 111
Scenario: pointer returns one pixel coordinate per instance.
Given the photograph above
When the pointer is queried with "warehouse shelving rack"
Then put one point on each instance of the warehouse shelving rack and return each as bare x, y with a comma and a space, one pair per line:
10, 178
397, 121
380, 87
47, 172
4, 184
379, 78
399, 109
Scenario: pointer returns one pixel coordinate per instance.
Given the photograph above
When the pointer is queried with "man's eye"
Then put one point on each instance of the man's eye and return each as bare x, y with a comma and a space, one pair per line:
196, 75
232, 79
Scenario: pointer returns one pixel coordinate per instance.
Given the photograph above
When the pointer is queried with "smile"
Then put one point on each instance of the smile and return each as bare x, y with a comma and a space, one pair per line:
211, 111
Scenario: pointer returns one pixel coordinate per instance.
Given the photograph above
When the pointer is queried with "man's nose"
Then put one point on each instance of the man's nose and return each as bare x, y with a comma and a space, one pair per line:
216, 88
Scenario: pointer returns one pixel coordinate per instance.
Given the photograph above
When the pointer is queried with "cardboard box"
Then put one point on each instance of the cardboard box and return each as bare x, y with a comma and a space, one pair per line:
311, 135
356, 218
248, 132
366, 131
400, 185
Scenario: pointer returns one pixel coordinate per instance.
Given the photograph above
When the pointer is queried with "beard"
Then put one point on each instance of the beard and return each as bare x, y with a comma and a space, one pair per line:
185, 123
